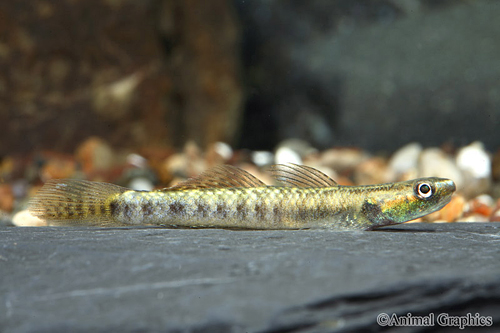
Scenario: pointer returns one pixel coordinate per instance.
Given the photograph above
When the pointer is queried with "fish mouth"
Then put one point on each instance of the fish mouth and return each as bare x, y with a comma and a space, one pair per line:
449, 186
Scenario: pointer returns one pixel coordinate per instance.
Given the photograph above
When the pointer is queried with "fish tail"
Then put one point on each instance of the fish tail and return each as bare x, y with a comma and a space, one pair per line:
75, 202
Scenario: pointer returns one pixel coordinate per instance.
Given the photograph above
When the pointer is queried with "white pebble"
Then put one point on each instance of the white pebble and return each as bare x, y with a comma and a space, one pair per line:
141, 184
262, 158
137, 160
405, 159
287, 155
475, 160
25, 219
433, 162
224, 150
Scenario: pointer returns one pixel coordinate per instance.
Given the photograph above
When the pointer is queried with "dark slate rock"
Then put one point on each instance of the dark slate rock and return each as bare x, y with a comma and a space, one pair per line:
374, 74
176, 280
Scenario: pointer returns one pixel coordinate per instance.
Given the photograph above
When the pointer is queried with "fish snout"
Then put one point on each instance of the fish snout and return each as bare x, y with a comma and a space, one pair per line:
449, 186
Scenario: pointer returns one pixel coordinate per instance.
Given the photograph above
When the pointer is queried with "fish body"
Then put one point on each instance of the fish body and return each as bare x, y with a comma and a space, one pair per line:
228, 197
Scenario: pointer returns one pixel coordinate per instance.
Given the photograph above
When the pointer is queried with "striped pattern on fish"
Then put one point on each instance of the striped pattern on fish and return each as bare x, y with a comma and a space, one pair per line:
228, 197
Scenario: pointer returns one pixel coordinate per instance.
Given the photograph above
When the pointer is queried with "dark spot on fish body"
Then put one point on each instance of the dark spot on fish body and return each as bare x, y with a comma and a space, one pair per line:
80, 211
92, 209
127, 210
102, 208
58, 212
260, 211
372, 211
303, 214
241, 209
203, 210
221, 210
114, 208
277, 212
176, 208
147, 209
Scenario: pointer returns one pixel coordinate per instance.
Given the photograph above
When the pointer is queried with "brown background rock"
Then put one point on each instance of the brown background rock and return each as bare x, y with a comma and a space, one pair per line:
135, 73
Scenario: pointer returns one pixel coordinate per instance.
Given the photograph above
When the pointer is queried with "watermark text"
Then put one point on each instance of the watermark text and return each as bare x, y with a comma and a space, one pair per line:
441, 319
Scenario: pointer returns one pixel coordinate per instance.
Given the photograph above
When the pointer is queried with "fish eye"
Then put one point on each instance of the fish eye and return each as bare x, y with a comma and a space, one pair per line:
424, 190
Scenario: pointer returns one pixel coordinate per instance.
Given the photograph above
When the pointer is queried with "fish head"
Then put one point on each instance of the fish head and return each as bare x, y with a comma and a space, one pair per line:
409, 200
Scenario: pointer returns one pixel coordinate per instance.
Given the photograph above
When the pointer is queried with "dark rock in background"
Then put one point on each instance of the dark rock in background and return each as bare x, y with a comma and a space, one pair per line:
135, 73
375, 74
202, 40
77, 279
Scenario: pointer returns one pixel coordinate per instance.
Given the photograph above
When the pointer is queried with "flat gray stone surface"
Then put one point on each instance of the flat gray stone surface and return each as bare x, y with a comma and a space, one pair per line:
149, 279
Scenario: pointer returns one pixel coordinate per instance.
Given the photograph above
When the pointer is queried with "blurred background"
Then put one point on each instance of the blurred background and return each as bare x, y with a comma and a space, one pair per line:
147, 93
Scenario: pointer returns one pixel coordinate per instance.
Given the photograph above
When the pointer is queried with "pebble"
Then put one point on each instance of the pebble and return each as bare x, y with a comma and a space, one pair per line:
95, 155
495, 214
189, 163
25, 219
343, 160
433, 162
136, 161
262, 158
404, 162
475, 160
454, 210
217, 153
474, 218
141, 184
475, 163
482, 205
287, 155
6, 198
58, 168
7, 167
224, 150
371, 171
300, 147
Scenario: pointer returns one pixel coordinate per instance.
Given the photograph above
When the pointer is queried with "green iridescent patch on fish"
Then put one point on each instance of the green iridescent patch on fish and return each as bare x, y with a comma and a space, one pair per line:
229, 197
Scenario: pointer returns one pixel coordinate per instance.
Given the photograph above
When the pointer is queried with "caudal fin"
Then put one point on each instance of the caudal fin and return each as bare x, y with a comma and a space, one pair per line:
75, 202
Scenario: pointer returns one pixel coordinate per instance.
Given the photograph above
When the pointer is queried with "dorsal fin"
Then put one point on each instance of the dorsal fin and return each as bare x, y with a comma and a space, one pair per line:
300, 175
217, 177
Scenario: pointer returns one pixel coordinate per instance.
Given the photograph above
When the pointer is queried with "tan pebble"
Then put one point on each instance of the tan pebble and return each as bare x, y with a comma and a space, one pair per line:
7, 167
371, 171
495, 214
25, 219
405, 159
57, 168
482, 205
432, 217
343, 159
6, 198
474, 218
95, 154
419, 220
173, 166
495, 217
454, 210
218, 153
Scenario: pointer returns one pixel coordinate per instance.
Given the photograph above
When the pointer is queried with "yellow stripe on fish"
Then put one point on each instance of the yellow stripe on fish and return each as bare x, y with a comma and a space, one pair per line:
229, 197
